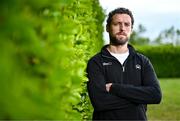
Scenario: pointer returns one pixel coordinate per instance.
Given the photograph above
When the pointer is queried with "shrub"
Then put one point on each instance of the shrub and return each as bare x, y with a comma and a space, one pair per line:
165, 59
44, 47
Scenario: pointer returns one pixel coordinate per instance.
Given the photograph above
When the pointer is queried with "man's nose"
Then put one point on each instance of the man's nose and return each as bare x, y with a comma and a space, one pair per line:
121, 27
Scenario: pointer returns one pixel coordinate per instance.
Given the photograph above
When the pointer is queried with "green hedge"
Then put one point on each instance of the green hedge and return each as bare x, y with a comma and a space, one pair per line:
165, 59
44, 46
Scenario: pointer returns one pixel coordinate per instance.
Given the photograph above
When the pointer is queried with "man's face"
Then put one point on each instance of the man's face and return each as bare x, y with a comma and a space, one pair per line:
120, 29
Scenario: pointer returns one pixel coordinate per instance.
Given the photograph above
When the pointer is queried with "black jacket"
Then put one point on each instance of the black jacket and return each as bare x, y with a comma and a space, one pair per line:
134, 85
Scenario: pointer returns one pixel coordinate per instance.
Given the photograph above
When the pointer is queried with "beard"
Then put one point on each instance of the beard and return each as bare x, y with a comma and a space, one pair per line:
118, 41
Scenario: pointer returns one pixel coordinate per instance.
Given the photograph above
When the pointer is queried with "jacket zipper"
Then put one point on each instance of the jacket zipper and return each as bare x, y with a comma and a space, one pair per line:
122, 65
123, 70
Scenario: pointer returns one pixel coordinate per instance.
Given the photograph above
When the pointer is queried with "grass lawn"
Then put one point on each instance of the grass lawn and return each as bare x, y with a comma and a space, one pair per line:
169, 109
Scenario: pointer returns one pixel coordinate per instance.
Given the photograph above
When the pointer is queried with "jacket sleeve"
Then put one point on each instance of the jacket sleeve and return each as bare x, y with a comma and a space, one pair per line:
100, 98
148, 93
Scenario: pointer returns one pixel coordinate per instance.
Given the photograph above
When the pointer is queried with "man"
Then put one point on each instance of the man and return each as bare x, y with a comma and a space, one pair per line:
121, 81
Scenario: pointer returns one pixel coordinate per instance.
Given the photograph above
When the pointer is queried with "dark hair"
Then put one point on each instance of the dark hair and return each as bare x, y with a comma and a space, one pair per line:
120, 11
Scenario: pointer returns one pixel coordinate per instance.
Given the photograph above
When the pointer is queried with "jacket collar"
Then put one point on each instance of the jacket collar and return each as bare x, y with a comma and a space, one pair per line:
106, 53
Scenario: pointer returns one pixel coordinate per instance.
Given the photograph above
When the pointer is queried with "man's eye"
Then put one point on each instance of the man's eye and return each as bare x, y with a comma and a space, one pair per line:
115, 24
127, 24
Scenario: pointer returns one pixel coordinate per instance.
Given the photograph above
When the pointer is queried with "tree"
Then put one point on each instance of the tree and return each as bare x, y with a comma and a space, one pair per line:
170, 35
137, 38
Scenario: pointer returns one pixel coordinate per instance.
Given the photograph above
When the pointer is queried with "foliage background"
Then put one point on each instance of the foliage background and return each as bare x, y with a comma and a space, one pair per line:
165, 59
44, 46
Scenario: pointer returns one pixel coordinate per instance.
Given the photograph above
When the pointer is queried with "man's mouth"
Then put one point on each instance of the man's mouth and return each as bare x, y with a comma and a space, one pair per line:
121, 33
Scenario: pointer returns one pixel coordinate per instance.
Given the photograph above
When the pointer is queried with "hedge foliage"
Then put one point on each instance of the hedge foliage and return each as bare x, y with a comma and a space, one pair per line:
44, 46
165, 59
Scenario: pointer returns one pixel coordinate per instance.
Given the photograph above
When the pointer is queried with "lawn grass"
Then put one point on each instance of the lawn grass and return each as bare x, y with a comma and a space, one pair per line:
169, 108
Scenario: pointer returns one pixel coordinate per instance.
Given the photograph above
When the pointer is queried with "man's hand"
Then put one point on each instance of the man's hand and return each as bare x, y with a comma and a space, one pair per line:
108, 86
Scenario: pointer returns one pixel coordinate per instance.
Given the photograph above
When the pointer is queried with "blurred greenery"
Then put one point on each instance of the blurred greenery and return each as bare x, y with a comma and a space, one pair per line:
165, 59
44, 46
170, 36
137, 38
169, 109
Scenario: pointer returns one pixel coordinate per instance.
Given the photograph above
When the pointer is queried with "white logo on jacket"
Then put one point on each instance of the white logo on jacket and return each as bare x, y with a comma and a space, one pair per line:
107, 63
138, 66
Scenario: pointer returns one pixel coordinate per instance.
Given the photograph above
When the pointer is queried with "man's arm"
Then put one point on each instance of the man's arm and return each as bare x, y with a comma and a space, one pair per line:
100, 98
148, 93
